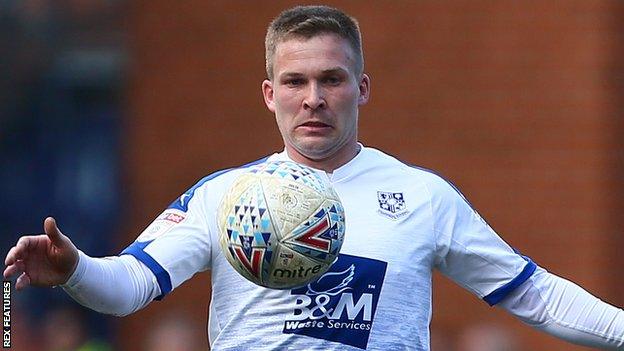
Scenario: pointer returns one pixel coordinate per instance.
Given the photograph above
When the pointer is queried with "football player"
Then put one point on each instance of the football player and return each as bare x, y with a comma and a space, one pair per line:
402, 222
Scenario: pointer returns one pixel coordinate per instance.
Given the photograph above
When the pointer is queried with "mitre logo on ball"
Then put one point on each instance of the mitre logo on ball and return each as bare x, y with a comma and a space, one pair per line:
281, 224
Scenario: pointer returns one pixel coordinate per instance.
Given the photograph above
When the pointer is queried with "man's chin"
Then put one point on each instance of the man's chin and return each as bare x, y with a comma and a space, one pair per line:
315, 152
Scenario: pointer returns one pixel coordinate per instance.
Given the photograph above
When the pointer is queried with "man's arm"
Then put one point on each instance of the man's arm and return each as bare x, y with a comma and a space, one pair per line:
114, 285
117, 285
563, 309
473, 255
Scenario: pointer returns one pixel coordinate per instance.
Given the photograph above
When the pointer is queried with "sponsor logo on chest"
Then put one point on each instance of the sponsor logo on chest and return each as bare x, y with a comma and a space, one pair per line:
340, 305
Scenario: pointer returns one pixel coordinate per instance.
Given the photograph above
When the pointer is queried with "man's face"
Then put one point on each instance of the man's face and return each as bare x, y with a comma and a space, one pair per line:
315, 94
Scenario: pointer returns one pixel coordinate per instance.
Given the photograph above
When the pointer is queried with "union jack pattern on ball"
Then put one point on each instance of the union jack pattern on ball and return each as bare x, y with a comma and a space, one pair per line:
281, 224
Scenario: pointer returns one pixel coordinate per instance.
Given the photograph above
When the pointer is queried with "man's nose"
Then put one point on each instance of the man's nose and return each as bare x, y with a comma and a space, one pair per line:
315, 97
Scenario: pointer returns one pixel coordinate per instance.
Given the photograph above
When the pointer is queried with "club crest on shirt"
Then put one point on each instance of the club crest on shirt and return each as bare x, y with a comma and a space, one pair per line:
391, 205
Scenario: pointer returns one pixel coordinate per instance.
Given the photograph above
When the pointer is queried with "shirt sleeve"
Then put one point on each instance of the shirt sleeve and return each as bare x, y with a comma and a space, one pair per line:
176, 245
469, 251
113, 285
563, 309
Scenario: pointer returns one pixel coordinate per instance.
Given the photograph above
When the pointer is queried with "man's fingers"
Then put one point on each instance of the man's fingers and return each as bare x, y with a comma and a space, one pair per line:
22, 281
14, 254
10, 257
26, 243
52, 231
12, 270
21, 248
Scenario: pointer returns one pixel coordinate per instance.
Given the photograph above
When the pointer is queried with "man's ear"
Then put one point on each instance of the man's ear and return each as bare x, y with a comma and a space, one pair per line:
267, 93
364, 87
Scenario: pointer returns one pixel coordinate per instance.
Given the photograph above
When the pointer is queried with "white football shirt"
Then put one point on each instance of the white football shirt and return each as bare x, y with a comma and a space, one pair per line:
401, 222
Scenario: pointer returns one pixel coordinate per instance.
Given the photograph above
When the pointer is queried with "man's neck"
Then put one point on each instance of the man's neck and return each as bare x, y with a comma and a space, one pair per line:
328, 164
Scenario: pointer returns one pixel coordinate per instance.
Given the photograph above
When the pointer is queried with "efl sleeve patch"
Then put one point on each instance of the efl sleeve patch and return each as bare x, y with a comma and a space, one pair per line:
161, 225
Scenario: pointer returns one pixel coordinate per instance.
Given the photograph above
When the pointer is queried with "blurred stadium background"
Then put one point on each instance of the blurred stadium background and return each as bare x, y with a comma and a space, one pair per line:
110, 109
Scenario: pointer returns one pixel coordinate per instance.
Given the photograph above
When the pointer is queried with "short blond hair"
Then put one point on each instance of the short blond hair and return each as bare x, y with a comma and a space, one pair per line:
310, 21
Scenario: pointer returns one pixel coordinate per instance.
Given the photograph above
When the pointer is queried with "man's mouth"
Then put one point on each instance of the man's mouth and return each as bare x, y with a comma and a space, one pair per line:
315, 124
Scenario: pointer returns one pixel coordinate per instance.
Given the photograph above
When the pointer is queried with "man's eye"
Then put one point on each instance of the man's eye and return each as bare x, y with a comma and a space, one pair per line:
332, 80
294, 82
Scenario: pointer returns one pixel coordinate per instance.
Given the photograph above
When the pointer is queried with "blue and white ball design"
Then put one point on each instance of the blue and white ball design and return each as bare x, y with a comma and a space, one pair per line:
281, 224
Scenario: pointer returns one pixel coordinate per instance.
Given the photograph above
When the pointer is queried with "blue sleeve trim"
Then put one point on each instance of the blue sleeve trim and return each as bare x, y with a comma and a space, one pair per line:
499, 294
162, 276
182, 202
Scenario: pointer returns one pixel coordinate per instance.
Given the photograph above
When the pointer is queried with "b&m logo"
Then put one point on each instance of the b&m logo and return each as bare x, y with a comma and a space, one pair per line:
340, 305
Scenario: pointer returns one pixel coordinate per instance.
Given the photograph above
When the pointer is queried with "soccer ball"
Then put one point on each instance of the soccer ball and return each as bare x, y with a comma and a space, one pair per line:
281, 225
